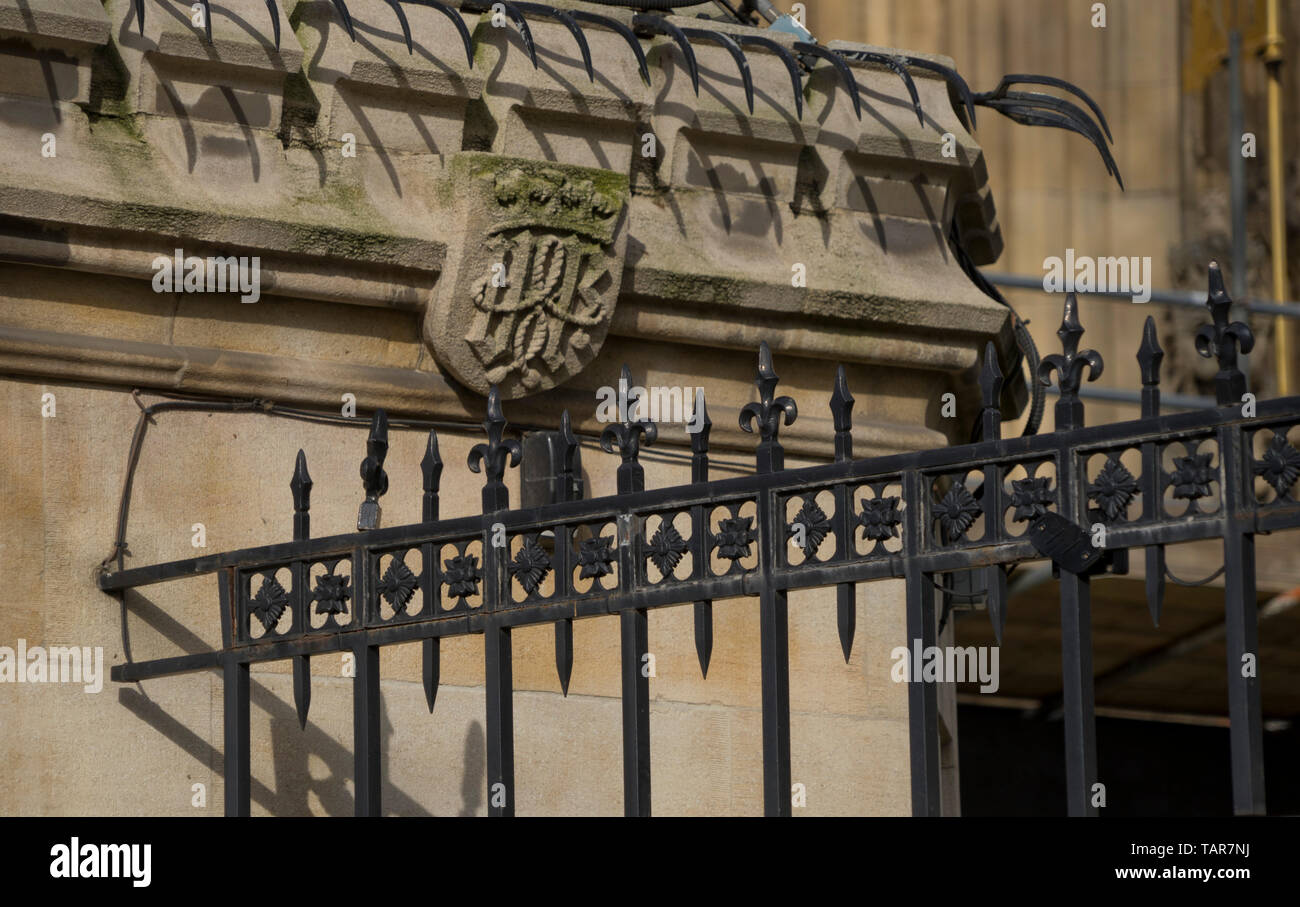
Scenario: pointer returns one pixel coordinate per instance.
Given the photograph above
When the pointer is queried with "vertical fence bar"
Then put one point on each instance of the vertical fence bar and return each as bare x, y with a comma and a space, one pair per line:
922, 698
1241, 623
300, 485
431, 654
995, 578
846, 598
703, 609
365, 731
1150, 355
500, 721
235, 694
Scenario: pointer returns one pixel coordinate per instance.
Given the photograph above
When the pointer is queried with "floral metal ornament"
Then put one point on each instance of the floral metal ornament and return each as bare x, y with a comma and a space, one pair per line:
530, 566
1031, 497
880, 518
1069, 365
1192, 476
462, 575
595, 555
332, 593
816, 526
493, 456
1280, 464
957, 512
767, 413
1113, 490
734, 537
666, 548
398, 584
269, 603
1224, 340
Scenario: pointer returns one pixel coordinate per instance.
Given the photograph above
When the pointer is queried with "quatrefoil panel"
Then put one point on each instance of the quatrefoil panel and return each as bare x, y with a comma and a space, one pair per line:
668, 546
399, 584
733, 538
810, 527
267, 600
330, 594
593, 557
1190, 475
1276, 464
531, 567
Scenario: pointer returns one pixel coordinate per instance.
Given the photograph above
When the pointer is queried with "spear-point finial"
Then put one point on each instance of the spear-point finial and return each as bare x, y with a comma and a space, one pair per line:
431, 467
767, 414
1150, 355
629, 435
300, 485
842, 415
1225, 341
491, 458
1069, 366
698, 428
373, 476
991, 394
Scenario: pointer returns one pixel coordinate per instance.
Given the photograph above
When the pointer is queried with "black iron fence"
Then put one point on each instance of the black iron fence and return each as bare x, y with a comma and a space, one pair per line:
1083, 497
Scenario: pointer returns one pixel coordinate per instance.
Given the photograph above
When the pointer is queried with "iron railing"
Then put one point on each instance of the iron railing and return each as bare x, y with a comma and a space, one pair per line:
1226, 472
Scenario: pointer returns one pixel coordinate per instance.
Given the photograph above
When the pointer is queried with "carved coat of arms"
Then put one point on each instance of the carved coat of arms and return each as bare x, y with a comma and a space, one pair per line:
529, 302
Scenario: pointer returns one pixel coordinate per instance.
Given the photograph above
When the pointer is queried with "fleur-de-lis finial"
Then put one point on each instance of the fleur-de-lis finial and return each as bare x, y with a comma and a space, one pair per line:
1149, 357
492, 457
373, 476
1224, 340
431, 467
991, 395
842, 416
1069, 367
629, 436
767, 413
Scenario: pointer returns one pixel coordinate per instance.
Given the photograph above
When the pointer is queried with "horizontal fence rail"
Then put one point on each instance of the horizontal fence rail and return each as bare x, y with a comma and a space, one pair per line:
1226, 472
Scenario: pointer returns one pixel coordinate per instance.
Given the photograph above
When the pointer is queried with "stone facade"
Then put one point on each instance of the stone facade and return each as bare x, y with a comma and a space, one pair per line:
639, 224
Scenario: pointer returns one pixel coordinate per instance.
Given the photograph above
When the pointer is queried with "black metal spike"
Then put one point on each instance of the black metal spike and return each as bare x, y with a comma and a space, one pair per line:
791, 65
564, 653
275, 20
406, 26
1149, 357
700, 473
456, 20
300, 485
951, 76
846, 607
564, 17
842, 415
1224, 340
898, 64
1069, 367
492, 457
736, 54
842, 68
1033, 116
1053, 82
431, 467
372, 472
346, 17
662, 26
626, 33
432, 668
139, 15
569, 491
991, 394
207, 20
767, 412
525, 33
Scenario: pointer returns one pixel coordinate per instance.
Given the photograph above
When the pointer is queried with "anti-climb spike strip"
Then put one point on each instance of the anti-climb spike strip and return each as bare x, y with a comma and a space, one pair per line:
737, 54
1224, 341
791, 65
401, 20
846, 596
700, 473
659, 25
1149, 357
564, 627
623, 31
346, 17
567, 20
995, 578
899, 65
431, 468
1053, 82
300, 485
456, 20
372, 472
842, 68
950, 75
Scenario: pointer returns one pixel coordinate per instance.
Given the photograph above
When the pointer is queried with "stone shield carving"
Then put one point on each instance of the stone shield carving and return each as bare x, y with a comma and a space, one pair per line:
528, 300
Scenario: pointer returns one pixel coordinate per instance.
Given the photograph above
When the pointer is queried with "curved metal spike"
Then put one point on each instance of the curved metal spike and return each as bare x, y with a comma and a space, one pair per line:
275, 20
456, 20
662, 26
406, 26
846, 74
346, 16
791, 65
897, 64
1072, 112
737, 54
566, 19
139, 15
951, 76
626, 33
1054, 82
1034, 117
525, 33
